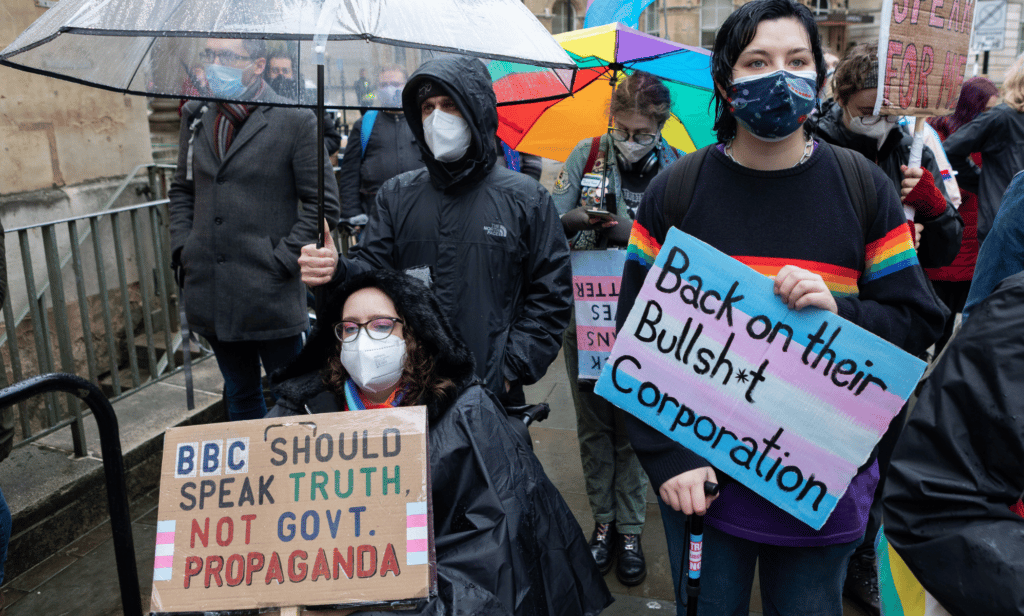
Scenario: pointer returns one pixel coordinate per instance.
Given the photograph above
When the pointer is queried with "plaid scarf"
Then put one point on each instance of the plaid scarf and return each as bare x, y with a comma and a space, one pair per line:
231, 116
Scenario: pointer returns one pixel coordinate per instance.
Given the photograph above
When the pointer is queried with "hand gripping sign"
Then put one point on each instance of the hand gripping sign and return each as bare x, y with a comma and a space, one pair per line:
788, 403
327, 509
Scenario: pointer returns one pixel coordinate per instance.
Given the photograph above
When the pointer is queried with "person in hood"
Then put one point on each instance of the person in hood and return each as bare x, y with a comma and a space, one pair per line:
388, 343
952, 498
489, 240
849, 122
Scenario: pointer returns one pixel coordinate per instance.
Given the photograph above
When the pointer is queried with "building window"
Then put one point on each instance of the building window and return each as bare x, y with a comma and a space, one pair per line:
563, 17
819, 7
650, 19
712, 14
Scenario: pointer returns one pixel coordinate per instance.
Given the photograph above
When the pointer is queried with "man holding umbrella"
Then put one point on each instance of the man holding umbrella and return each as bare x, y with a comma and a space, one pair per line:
489, 238
242, 203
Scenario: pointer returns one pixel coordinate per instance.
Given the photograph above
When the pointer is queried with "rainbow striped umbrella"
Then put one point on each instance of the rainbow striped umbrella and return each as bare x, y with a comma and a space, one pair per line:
604, 54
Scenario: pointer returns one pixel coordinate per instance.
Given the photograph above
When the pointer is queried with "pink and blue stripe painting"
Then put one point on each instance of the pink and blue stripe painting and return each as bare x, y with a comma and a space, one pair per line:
417, 543
596, 275
789, 403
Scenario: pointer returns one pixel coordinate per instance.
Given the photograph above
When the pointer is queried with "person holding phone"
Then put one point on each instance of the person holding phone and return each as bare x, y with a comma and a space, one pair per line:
597, 194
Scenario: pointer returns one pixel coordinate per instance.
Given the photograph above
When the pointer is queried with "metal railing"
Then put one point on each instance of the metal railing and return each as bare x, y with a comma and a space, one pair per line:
113, 468
103, 304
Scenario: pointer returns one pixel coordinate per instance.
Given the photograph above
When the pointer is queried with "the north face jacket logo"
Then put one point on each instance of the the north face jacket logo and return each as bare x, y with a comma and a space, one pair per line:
497, 230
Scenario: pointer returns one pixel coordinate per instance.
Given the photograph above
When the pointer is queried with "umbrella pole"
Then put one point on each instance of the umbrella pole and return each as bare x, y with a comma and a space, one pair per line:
608, 197
320, 155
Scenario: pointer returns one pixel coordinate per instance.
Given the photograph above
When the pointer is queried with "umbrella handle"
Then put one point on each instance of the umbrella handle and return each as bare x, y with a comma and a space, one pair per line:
694, 554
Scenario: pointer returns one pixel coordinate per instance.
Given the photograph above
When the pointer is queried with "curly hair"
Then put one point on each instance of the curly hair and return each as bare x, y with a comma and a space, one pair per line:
642, 93
1013, 85
419, 375
857, 71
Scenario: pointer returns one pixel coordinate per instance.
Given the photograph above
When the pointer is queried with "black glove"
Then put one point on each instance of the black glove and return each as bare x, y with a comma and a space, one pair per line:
577, 220
176, 267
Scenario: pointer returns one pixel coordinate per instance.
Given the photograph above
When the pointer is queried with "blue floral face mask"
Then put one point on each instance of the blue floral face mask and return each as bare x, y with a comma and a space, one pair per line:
773, 106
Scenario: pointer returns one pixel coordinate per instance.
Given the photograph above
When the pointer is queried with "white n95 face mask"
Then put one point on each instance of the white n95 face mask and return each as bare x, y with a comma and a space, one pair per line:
374, 365
633, 152
447, 136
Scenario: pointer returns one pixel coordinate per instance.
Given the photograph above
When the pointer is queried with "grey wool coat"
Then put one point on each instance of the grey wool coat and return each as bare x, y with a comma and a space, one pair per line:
240, 222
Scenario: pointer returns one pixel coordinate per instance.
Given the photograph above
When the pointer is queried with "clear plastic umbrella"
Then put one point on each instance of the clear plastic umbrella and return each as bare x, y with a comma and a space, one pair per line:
156, 47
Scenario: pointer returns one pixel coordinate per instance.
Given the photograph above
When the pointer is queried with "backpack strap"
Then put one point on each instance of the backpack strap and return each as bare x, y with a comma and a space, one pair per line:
195, 119
595, 151
861, 188
364, 133
682, 178
513, 160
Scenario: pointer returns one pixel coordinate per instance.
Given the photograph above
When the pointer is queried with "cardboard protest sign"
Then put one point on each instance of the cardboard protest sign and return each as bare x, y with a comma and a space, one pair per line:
595, 288
328, 509
789, 403
922, 56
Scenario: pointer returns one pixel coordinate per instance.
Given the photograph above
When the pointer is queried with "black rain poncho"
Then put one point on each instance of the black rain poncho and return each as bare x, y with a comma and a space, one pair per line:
959, 466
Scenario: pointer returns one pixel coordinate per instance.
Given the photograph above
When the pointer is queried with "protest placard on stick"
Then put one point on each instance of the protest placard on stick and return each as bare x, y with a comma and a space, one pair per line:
328, 509
922, 51
789, 403
596, 275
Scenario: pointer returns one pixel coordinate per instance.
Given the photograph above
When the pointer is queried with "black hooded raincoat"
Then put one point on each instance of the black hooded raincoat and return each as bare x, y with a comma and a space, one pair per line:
491, 237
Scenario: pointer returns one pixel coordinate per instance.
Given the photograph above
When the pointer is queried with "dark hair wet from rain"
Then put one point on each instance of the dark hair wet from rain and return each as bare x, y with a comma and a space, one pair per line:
735, 35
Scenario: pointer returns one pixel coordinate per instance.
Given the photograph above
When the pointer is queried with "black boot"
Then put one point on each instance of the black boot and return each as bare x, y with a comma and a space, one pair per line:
631, 568
601, 546
861, 586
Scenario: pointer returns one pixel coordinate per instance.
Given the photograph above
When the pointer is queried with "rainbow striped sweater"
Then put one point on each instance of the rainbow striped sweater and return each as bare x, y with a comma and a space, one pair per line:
768, 219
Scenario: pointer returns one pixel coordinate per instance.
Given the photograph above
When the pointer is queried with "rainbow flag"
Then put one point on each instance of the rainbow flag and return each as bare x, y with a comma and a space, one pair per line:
899, 592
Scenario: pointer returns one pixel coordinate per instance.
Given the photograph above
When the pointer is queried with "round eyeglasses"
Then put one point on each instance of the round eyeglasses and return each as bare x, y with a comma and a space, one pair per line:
621, 134
377, 329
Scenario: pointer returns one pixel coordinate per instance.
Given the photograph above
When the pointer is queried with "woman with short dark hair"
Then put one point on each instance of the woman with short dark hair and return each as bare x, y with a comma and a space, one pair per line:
776, 200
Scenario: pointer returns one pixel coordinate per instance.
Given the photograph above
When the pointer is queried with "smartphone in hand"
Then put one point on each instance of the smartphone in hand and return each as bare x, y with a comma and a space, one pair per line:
602, 214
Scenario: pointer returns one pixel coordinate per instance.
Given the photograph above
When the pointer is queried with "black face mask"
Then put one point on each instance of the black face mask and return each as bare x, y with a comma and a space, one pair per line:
285, 87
